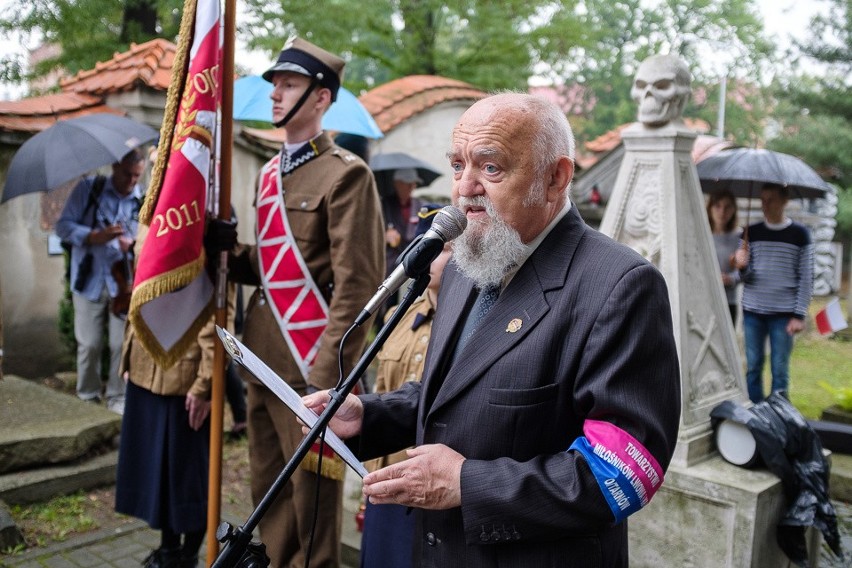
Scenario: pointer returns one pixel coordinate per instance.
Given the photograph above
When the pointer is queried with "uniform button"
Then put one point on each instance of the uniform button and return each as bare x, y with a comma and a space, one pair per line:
424, 339
303, 205
411, 377
431, 539
418, 357
495, 536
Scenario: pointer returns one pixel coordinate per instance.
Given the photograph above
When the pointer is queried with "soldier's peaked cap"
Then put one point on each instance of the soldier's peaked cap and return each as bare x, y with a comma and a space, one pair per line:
301, 56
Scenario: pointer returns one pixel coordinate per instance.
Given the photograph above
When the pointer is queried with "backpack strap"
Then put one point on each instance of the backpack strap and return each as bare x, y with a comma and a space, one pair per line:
94, 197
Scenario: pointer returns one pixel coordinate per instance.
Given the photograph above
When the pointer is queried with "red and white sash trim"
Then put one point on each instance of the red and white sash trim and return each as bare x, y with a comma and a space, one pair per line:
295, 299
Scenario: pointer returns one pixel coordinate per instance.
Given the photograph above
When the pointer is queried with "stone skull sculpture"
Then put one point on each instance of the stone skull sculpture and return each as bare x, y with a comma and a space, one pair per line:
662, 89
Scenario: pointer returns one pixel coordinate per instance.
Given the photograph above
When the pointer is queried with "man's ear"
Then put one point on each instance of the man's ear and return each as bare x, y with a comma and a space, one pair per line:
561, 174
323, 98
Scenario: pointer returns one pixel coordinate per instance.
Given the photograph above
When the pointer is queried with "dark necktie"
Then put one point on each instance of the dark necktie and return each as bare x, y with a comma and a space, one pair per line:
486, 299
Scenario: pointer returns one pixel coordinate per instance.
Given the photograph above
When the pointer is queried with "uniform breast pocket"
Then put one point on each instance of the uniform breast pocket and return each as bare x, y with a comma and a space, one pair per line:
306, 216
391, 352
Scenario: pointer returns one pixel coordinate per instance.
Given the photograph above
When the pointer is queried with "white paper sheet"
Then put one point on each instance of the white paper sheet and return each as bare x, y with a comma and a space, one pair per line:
242, 355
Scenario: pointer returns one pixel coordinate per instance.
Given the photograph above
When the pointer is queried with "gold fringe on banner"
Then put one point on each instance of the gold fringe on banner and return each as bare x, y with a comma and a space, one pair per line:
333, 466
155, 288
168, 282
180, 69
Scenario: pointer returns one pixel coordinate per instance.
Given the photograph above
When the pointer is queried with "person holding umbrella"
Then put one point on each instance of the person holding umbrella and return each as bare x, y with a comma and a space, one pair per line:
400, 211
100, 221
777, 287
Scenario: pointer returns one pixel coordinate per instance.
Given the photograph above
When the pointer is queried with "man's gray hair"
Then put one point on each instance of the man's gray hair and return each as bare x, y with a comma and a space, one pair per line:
555, 137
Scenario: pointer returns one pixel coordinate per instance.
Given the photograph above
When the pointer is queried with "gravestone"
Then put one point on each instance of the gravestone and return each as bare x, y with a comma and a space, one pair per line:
708, 512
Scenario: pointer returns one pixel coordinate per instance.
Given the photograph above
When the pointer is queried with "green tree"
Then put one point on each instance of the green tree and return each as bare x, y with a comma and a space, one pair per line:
87, 31
493, 45
715, 38
815, 107
815, 110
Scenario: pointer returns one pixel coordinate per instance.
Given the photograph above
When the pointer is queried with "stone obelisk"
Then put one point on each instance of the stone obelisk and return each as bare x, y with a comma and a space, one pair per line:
709, 512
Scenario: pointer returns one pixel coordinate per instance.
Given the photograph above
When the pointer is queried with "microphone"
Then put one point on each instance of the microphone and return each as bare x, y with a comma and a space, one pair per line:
448, 224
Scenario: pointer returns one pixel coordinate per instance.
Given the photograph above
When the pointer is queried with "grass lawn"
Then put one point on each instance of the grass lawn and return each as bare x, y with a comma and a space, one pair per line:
817, 359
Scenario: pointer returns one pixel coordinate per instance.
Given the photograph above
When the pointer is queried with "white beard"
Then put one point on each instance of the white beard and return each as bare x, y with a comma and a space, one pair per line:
487, 250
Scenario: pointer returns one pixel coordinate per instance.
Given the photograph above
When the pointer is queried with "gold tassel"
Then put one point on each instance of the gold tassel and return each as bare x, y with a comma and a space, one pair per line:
333, 466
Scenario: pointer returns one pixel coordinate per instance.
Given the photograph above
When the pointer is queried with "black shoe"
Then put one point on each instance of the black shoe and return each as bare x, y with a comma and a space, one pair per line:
163, 558
237, 433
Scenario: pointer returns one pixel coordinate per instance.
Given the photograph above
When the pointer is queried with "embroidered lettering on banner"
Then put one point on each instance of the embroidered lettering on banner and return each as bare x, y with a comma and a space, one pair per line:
295, 299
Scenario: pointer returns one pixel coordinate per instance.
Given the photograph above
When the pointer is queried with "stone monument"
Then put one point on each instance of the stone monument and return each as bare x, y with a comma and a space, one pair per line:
708, 512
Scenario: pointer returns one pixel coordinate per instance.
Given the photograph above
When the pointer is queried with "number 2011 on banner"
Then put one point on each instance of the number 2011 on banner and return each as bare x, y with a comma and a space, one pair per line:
177, 218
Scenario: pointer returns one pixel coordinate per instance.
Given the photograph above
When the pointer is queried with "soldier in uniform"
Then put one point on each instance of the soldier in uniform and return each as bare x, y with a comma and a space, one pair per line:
318, 260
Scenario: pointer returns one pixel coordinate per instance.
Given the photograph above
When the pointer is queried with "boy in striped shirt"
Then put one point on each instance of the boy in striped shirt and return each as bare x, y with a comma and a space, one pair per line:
777, 288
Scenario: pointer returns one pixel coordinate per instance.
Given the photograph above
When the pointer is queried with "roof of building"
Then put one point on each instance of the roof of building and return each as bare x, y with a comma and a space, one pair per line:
37, 113
395, 102
609, 140
146, 64
593, 150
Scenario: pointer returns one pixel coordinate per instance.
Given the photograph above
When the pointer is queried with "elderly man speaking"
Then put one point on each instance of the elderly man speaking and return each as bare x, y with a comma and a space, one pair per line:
549, 406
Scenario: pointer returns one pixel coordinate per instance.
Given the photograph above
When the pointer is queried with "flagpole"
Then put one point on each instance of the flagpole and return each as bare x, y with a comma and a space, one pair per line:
217, 407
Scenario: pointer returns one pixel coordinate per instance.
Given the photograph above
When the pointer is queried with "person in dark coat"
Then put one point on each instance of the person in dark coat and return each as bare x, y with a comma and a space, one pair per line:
550, 401
163, 457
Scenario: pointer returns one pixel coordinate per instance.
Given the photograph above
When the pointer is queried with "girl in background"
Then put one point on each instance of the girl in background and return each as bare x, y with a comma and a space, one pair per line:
722, 215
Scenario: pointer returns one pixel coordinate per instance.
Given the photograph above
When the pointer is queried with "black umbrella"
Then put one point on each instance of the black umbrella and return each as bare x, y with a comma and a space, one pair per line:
392, 161
70, 148
744, 171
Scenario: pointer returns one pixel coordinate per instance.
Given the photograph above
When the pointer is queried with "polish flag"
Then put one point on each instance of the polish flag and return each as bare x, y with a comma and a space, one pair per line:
830, 318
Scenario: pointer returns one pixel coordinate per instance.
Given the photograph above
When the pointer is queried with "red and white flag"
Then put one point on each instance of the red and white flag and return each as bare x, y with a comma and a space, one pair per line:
172, 292
830, 318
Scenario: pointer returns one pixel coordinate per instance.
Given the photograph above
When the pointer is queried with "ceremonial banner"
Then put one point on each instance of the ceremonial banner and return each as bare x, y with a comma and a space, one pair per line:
172, 292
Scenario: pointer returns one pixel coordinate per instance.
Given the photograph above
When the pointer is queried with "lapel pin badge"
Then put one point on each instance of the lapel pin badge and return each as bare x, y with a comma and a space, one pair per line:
514, 325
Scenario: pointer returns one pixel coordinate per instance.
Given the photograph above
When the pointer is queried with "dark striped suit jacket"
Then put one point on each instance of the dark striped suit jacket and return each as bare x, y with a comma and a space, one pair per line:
595, 342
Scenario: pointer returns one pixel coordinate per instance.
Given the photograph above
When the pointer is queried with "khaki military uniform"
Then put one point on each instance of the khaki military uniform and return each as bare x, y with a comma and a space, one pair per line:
402, 358
334, 214
191, 374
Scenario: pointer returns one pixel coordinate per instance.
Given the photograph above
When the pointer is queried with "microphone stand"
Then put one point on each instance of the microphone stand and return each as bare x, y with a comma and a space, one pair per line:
239, 549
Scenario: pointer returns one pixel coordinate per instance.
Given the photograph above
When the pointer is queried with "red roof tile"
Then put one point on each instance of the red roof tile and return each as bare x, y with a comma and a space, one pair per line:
395, 102
148, 64
37, 113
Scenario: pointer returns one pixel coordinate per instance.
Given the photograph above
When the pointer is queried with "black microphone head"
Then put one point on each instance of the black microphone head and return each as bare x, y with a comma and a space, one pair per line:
449, 223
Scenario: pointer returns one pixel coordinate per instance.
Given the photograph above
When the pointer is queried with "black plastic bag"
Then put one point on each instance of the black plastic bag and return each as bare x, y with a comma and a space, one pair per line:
792, 450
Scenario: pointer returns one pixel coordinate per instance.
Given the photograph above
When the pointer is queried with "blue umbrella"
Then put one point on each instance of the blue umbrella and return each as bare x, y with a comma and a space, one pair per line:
347, 114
